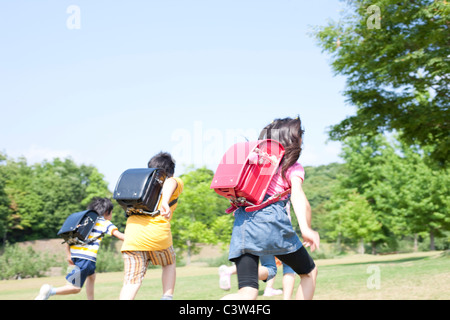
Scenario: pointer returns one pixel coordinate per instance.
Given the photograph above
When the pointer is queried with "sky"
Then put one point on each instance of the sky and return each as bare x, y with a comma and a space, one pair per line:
111, 83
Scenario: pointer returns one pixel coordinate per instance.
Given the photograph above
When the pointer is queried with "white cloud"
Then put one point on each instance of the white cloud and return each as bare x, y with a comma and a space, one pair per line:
36, 153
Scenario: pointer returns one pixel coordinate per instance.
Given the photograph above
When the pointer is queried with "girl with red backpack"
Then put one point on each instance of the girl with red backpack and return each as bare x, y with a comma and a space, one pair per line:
268, 231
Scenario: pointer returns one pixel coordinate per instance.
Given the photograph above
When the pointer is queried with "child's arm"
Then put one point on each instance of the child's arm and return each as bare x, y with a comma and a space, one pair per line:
169, 187
68, 255
119, 235
302, 210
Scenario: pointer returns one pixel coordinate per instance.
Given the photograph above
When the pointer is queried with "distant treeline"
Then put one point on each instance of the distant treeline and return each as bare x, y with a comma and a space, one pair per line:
36, 199
385, 197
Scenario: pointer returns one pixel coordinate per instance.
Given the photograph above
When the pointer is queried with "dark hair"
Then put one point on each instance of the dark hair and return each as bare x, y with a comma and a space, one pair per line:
101, 205
163, 160
289, 133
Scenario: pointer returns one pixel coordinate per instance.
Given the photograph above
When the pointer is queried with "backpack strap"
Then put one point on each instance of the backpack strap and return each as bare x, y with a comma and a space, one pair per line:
275, 198
90, 240
75, 241
272, 199
140, 212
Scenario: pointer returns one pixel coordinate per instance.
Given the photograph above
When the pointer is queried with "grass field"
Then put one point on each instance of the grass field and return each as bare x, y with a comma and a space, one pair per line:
421, 276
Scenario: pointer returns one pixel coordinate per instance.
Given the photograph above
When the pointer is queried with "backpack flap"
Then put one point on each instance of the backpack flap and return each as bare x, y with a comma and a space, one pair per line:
246, 170
139, 188
78, 226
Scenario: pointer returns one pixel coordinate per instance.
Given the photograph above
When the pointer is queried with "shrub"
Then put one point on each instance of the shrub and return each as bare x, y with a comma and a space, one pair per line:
109, 259
18, 262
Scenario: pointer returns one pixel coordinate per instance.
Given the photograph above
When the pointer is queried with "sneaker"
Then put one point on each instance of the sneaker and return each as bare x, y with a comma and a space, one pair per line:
44, 293
225, 275
270, 292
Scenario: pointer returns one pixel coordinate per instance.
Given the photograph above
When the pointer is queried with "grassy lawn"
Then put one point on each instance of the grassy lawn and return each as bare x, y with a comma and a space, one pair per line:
423, 276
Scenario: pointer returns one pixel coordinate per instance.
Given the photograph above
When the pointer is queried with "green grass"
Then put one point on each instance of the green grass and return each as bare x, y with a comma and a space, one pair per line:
403, 276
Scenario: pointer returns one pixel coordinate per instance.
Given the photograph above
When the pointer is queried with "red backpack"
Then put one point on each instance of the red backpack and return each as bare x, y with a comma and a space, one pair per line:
245, 172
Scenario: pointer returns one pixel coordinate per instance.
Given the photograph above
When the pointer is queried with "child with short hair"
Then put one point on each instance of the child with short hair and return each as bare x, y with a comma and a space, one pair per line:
149, 238
84, 256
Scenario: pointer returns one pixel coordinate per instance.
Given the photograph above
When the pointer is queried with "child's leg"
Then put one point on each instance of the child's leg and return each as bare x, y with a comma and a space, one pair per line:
47, 291
67, 289
135, 267
225, 272
167, 259
268, 268
288, 285
267, 272
90, 281
247, 271
75, 279
288, 281
307, 286
129, 291
302, 263
168, 279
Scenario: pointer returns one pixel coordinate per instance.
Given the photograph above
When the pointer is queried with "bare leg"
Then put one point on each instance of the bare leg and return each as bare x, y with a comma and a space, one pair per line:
288, 285
67, 289
307, 286
246, 293
168, 279
129, 291
90, 281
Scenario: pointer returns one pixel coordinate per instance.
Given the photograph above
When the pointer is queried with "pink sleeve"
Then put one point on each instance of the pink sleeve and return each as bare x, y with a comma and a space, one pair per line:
296, 170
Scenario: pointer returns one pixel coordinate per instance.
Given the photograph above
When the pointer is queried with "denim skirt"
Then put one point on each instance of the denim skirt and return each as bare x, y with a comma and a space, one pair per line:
263, 232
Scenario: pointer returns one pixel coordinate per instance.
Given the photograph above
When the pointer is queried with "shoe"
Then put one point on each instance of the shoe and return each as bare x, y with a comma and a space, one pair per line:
224, 280
270, 292
44, 293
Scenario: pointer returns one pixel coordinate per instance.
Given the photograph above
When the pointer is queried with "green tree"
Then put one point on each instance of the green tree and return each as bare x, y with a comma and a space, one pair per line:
365, 161
200, 216
4, 202
394, 54
422, 196
355, 219
406, 197
41, 196
318, 185
25, 204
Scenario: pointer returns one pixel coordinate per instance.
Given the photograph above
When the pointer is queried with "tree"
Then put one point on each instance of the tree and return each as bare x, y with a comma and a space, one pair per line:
4, 203
200, 216
423, 200
356, 220
366, 160
41, 196
25, 204
318, 185
394, 54
406, 197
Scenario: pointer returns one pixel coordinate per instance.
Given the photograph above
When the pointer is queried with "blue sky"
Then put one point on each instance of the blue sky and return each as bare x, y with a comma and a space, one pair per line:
185, 76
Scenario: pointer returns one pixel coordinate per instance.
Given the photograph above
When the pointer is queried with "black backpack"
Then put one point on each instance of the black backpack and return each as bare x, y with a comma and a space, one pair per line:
138, 191
78, 226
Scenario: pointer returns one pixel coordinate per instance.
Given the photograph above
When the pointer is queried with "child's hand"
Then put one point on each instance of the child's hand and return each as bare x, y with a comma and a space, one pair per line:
311, 239
165, 210
69, 261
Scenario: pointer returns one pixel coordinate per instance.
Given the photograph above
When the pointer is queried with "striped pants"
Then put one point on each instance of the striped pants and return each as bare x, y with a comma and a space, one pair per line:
136, 263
